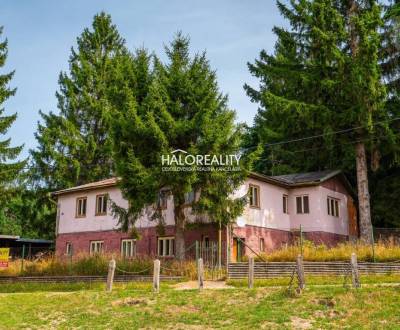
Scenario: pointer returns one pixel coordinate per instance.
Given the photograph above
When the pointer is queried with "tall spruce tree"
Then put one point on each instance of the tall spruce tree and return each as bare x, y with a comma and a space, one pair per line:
385, 183
9, 168
181, 109
74, 145
323, 80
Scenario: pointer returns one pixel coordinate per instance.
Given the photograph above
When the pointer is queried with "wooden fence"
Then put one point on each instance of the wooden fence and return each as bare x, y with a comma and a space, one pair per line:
285, 269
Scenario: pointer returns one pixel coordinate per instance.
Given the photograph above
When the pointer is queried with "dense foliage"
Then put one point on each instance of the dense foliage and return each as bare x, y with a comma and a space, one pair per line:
323, 82
74, 145
181, 108
9, 168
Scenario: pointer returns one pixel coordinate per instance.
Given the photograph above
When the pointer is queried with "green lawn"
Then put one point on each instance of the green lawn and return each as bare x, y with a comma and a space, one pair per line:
134, 306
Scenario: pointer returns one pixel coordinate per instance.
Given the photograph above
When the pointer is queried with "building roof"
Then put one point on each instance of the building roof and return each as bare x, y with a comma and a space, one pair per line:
307, 178
26, 240
89, 186
286, 181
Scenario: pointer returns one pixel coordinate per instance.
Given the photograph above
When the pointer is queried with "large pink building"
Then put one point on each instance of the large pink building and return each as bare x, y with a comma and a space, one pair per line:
321, 203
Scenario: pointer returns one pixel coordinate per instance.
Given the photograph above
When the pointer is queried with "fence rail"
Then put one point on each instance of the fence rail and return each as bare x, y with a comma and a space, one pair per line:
76, 279
284, 269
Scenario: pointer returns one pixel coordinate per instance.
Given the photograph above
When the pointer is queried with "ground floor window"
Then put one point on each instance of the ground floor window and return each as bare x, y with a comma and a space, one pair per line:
262, 245
68, 249
128, 248
96, 247
166, 246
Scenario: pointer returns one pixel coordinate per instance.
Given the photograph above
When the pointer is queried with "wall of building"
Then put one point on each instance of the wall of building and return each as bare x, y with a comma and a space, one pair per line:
270, 213
318, 218
146, 243
267, 222
69, 223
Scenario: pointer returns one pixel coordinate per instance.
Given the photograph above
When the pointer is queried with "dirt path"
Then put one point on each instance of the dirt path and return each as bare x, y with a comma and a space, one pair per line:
207, 285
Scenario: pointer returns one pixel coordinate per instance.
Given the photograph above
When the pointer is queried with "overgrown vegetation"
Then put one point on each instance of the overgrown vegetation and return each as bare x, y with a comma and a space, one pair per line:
341, 252
98, 265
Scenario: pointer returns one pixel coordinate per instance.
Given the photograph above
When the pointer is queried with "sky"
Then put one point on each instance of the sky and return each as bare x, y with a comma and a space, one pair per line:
41, 33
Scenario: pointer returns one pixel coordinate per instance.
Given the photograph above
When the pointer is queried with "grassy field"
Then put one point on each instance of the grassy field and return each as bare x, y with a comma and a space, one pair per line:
133, 306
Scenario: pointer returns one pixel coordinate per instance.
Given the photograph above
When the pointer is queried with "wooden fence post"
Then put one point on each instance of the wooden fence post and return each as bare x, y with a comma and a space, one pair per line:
300, 272
354, 271
251, 272
200, 273
110, 275
156, 276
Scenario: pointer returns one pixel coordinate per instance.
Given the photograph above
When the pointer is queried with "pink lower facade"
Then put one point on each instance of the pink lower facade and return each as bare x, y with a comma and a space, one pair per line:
248, 240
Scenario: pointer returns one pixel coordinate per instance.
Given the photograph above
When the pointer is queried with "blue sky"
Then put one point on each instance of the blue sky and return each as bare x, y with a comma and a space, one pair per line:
41, 33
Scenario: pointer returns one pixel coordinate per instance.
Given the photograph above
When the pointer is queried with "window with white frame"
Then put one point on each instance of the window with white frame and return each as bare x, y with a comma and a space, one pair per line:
68, 249
128, 248
101, 204
166, 246
333, 206
254, 195
302, 204
81, 207
285, 204
96, 247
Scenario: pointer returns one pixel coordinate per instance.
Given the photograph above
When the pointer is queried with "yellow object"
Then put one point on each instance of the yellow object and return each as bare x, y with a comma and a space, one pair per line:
4, 253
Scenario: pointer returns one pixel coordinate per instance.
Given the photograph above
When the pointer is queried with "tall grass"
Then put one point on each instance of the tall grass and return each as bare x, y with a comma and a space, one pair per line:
79, 265
341, 252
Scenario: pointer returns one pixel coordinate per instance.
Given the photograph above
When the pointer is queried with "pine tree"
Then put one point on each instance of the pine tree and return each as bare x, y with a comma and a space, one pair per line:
75, 145
324, 79
9, 168
182, 109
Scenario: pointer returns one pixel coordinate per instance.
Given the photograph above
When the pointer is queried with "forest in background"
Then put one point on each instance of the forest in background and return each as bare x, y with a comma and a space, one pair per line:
329, 93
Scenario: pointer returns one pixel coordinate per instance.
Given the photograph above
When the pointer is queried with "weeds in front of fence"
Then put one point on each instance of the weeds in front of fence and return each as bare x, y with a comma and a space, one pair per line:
80, 265
341, 252
87, 265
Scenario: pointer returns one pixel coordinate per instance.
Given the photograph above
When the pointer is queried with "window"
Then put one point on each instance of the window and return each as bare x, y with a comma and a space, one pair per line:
189, 197
68, 249
81, 207
254, 195
262, 245
302, 204
166, 246
163, 200
333, 206
128, 248
96, 247
101, 204
285, 204
206, 242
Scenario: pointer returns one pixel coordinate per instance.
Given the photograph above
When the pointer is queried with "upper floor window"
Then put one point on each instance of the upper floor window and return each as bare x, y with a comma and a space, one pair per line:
189, 197
101, 204
96, 247
285, 203
81, 207
163, 200
254, 195
333, 206
128, 248
302, 204
165, 246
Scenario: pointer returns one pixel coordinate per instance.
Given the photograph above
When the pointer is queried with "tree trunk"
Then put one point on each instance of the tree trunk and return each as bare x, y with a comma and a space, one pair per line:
363, 194
179, 233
